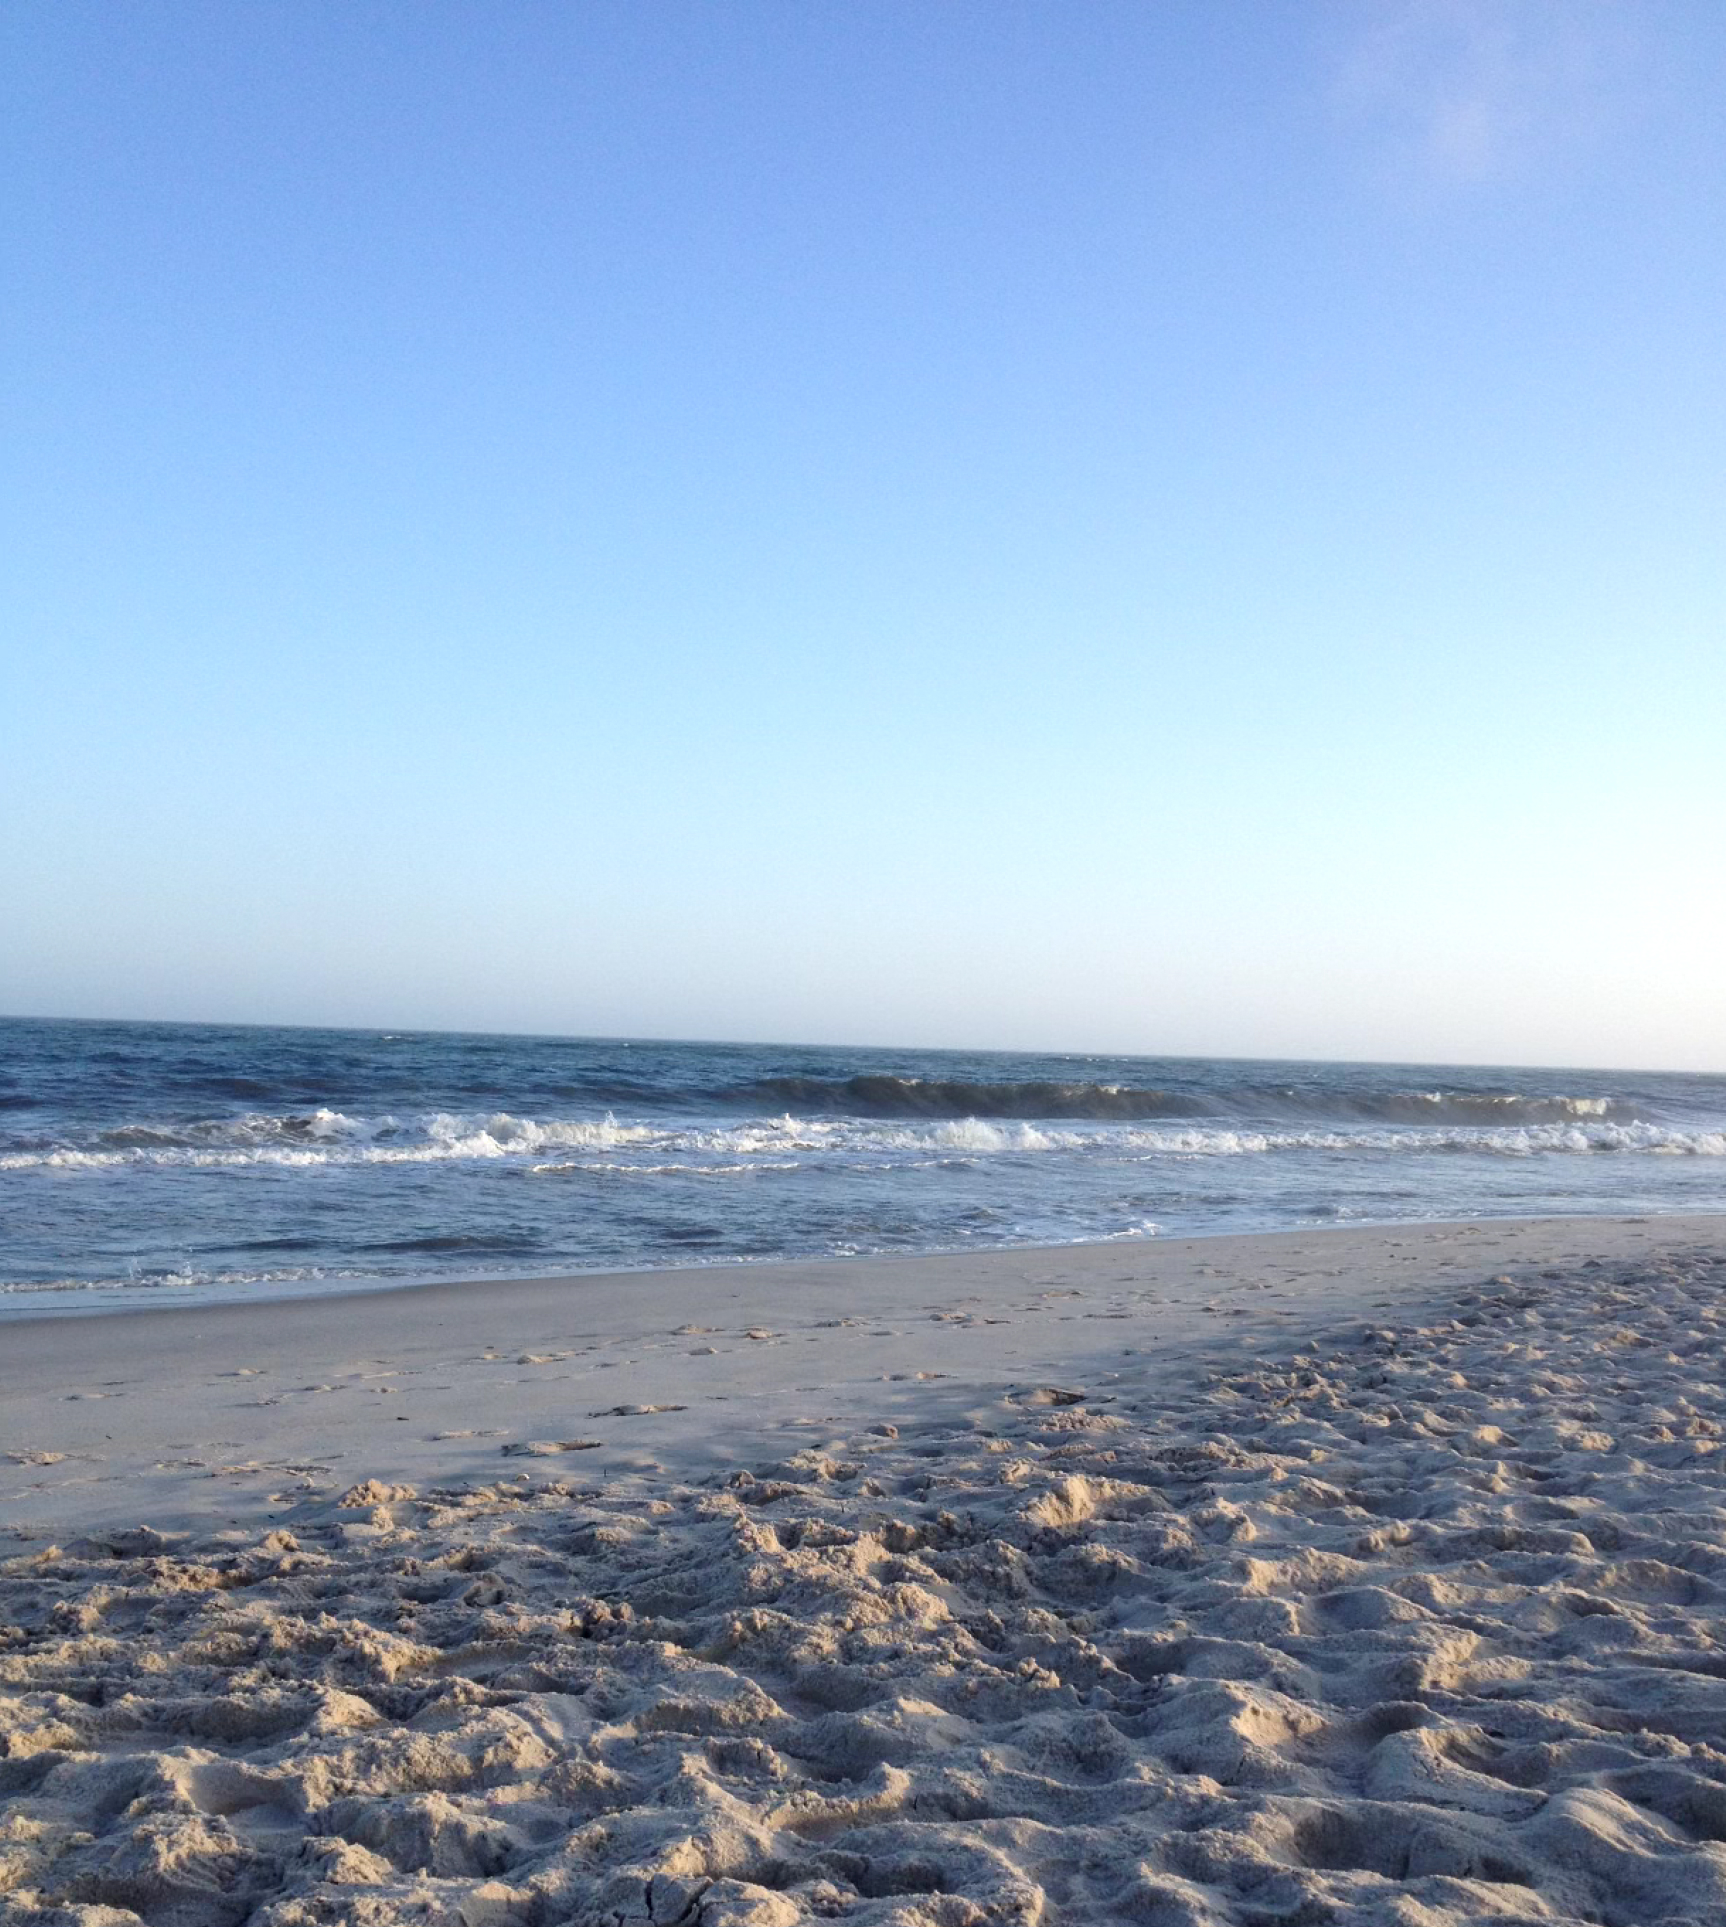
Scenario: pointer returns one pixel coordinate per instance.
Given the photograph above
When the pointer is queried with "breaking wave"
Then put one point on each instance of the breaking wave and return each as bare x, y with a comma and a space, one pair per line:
1441, 1107
333, 1138
877, 1095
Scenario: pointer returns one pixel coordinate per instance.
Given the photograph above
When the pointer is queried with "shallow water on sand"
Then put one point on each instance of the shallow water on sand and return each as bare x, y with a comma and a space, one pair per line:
150, 1162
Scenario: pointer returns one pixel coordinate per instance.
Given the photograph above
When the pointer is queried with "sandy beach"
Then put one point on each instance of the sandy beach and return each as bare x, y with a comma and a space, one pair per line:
1365, 1575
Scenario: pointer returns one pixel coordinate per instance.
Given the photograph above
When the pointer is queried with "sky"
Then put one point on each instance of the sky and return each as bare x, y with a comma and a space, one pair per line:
1175, 528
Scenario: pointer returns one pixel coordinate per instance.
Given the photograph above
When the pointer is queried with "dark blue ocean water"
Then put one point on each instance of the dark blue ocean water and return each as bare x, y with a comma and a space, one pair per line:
149, 1162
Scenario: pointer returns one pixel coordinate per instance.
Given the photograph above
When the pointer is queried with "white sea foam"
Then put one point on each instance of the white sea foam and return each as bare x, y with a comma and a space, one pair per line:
1527, 1140
977, 1134
604, 1166
184, 1277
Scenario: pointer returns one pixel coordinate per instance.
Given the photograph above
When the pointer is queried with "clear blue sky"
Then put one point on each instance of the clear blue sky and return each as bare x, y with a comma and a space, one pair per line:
1188, 527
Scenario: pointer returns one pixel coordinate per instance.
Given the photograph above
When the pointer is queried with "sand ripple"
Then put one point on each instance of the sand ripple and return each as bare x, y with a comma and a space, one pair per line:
1418, 1627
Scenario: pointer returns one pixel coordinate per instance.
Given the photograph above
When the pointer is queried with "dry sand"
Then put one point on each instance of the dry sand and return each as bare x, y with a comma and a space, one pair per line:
1368, 1576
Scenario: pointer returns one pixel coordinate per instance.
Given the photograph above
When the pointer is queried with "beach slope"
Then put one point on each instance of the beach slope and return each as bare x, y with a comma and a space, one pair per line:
1363, 1576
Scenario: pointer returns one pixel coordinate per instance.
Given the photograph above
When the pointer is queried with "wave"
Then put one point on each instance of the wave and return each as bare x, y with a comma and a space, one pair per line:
874, 1095
1438, 1107
1511, 1141
333, 1138
309, 1127
467, 1129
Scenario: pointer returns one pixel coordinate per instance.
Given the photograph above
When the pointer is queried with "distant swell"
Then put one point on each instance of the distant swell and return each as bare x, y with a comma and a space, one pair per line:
878, 1096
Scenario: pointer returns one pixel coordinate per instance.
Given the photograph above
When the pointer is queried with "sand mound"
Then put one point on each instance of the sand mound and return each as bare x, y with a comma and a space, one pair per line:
1418, 1627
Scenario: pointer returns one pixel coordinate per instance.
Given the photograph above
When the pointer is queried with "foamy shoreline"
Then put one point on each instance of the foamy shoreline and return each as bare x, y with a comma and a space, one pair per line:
1366, 1576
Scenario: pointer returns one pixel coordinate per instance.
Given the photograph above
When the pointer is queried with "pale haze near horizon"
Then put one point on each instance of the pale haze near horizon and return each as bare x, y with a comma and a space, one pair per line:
1181, 529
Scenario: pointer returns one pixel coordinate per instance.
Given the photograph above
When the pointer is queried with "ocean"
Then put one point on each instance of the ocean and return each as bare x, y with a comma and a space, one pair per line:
157, 1163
